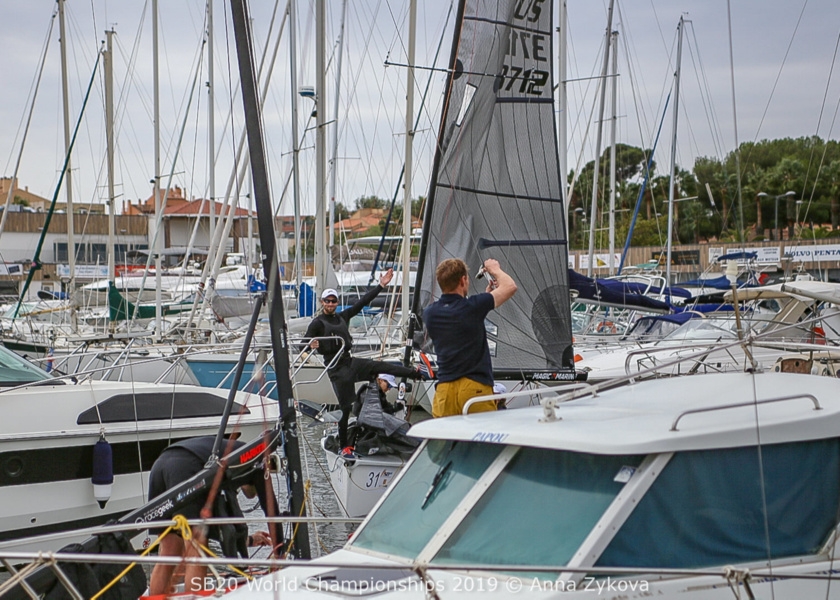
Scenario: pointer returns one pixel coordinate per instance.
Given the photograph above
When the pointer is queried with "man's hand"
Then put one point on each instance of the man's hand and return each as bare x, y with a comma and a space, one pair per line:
501, 285
314, 344
386, 277
259, 538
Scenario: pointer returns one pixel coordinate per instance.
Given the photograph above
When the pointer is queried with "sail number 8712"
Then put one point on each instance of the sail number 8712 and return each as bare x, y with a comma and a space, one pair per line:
528, 81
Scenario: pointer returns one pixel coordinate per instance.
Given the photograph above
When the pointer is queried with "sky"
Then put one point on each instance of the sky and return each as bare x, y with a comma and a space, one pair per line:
782, 53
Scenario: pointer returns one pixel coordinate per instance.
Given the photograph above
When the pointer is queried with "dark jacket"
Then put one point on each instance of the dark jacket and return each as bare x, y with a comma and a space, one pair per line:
336, 325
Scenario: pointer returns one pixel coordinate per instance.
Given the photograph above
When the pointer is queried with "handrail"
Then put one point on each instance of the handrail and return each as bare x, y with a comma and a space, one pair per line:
558, 390
308, 355
810, 397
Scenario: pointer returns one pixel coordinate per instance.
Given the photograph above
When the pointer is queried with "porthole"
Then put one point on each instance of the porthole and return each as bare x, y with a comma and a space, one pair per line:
13, 466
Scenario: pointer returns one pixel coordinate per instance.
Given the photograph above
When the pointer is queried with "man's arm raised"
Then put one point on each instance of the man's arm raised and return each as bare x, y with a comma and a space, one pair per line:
504, 287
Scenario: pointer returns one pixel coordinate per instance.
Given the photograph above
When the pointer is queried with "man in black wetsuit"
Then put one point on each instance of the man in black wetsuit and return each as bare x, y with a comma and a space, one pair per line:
347, 369
177, 463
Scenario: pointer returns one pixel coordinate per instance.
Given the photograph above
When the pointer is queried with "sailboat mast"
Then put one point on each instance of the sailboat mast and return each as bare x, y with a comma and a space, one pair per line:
71, 230
409, 141
158, 249
671, 186
563, 109
108, 63
296, 145
211, 122
613, 123
593, 212
427, 213
277, 321
321, 260
334, 172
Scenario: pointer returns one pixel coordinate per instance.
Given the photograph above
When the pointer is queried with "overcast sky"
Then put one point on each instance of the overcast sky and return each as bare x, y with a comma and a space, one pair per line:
783, 53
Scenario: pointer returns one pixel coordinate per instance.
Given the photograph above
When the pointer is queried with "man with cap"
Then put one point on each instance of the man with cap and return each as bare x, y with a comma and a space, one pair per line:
385, 382
348, 369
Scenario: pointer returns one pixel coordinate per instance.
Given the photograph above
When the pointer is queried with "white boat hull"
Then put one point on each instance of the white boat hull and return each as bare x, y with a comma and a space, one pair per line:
361, 482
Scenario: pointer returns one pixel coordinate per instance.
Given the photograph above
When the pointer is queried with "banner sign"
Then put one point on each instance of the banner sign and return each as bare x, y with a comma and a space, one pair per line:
767, 255
824, 252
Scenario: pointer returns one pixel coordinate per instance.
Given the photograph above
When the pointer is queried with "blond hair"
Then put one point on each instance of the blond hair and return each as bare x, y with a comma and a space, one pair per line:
449, 274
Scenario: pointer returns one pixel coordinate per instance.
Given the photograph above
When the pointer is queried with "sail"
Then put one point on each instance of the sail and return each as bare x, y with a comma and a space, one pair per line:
495, 190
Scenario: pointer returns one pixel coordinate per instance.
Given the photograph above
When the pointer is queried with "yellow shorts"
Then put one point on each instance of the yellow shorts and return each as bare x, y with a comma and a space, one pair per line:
450, 397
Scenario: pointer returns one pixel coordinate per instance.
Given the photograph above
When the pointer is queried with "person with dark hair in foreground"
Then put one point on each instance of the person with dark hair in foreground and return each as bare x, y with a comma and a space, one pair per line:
176, 464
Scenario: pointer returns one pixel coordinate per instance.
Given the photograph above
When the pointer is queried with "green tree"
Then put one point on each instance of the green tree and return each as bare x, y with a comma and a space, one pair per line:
370, 202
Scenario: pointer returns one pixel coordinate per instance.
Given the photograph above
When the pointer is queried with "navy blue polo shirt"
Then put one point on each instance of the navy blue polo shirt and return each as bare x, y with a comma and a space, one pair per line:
456, 326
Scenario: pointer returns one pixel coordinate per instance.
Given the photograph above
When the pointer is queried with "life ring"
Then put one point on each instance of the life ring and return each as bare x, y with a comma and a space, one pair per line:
818, 334
606, 327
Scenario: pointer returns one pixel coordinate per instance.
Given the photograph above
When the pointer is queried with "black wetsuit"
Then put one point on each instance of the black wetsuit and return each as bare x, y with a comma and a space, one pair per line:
348, 369
182, 460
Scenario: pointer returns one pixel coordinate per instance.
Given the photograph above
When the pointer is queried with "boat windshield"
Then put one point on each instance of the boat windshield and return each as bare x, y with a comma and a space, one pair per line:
15, 370
705, 329
543, 503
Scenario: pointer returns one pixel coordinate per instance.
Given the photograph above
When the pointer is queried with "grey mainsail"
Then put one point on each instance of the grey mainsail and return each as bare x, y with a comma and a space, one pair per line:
495, 190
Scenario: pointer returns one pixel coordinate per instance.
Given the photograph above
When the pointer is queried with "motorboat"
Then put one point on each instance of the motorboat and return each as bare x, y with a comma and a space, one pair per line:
690, 487
51, 424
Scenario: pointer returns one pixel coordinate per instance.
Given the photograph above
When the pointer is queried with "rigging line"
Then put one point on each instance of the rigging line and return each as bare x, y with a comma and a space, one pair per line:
741, 232
576, 125
763, 487
367, 146
703, 84
778, 77
33, 87
819, 123
159, 217
34, 96
695, 146
420, 112
36, 264
626, 40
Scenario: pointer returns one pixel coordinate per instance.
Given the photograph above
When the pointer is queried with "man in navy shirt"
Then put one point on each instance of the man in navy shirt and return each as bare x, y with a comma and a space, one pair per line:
456, 325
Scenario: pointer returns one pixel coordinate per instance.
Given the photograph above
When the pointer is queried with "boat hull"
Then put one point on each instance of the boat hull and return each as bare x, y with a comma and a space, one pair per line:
360, 482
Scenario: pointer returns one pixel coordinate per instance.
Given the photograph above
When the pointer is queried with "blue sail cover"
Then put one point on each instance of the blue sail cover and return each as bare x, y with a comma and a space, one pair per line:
721, 283
495, 190
624, 293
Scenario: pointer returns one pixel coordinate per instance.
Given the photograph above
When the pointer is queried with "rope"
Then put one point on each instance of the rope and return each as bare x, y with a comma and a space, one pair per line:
307, 485
736, 578
179, 523
182, 526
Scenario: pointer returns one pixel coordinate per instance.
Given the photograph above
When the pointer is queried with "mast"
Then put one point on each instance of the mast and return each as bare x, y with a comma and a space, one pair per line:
211, 121
71, 231
321, 260
563, 109
334, 173
277, 321
671, 186
158, 249
296, 144
593, 212
430, 200
613, 123
409, 141
108, 63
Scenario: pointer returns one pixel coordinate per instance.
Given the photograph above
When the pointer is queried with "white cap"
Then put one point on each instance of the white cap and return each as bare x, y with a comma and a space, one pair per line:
327, 293
499, 388
392, 382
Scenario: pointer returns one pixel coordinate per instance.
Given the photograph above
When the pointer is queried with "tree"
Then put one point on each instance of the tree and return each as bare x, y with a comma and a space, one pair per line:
370, 202
341, 211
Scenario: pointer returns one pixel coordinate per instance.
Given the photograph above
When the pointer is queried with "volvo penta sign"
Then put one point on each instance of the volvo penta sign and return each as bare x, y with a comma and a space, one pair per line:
814, 253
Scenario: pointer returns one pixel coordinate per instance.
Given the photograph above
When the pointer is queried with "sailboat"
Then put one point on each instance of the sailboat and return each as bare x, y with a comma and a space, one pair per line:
495, 190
